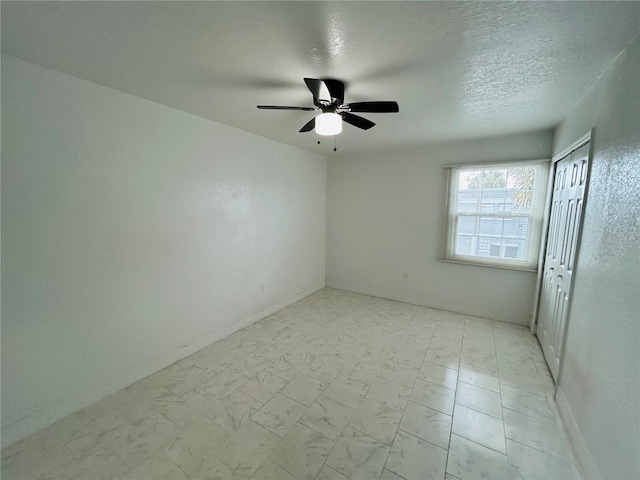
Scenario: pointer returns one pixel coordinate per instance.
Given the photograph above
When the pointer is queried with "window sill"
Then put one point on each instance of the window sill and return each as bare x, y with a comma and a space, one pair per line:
490, 265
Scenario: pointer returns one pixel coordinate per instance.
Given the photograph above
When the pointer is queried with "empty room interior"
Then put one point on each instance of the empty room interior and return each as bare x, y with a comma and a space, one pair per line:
320, 240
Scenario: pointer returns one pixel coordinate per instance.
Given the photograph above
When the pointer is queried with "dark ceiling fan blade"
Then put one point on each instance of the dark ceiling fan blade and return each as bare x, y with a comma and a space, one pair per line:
280, 107
310, 125
318, 89
373, 107
336, 89
357, 121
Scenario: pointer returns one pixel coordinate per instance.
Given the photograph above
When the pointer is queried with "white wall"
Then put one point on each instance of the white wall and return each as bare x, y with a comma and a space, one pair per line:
599, 385
134, 234
385, 216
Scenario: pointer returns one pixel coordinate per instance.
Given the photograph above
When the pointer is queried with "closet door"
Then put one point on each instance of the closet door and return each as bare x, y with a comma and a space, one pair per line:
570, 180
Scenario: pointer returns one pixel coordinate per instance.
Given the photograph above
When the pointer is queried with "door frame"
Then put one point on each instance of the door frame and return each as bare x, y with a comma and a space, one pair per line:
584, 139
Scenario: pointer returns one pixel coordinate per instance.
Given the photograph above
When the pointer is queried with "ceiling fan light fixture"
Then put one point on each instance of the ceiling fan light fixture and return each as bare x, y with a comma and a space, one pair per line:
328, 124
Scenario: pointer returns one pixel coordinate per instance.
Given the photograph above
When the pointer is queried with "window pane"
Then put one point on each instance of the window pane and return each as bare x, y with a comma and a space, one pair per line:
468, 201
467, 225
488, 246
467, 179
465, 245
491, 226
517, 227
520, 182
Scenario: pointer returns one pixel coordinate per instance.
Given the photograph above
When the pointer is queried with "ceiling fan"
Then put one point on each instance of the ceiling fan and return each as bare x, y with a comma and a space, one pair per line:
328, 98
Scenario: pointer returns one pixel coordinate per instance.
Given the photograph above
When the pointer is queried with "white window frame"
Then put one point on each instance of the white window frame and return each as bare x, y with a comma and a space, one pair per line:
535, 224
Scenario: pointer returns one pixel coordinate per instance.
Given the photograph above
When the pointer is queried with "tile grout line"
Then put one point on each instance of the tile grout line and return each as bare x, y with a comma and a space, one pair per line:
504, 423
398, 429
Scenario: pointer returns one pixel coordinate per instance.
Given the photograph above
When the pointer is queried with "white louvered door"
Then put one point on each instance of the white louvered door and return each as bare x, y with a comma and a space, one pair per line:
559, 260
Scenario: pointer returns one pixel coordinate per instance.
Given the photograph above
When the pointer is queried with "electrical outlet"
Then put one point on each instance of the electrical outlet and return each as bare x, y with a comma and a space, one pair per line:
405, 276
262, 288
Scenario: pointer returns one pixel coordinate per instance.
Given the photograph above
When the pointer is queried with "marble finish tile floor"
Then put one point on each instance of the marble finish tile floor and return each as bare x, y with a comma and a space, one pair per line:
335, 386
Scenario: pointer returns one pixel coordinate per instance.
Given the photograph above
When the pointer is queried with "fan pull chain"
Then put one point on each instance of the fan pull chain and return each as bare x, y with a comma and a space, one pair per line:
335, 149
318, 140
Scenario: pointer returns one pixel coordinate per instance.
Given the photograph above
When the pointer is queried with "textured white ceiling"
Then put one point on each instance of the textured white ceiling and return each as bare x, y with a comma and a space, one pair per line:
458, 70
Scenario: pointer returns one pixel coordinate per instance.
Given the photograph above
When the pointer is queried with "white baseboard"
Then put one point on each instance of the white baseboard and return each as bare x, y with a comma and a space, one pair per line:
457, 308
43, 418
581, 452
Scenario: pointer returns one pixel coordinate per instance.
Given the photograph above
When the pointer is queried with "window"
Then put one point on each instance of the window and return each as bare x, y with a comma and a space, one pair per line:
495, 213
